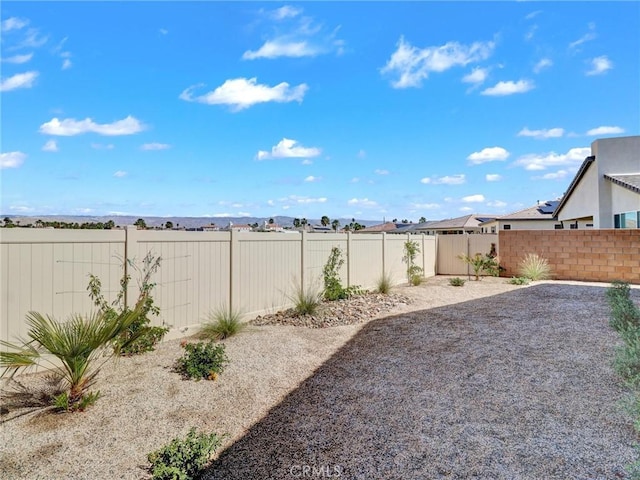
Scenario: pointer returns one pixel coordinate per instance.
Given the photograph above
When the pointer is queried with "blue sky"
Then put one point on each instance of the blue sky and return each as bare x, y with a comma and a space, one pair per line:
364, 109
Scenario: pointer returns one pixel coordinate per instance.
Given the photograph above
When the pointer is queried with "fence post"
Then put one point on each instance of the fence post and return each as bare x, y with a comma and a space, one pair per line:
303, 251
349, 262
424, 258
234, 267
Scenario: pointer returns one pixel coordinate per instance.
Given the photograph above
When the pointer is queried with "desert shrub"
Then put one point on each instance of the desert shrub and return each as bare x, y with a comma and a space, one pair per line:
223, 323
481, 264
625, 315
306, 300
414, 272
81, 344
202, 360
140, 337
627, 359
457, 282
534, 267
519, 281
384, 283
333, 289
183, 459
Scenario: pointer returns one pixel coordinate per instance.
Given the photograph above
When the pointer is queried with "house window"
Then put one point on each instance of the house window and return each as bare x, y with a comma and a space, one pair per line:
589, 225
506, 227
627, 220
573, 226
558, 226
493, 229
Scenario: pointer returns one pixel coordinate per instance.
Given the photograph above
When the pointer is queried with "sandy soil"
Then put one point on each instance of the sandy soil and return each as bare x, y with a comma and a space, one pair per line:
488, 380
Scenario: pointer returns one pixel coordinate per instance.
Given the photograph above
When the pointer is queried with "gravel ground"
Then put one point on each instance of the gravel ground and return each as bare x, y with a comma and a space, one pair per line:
488, 381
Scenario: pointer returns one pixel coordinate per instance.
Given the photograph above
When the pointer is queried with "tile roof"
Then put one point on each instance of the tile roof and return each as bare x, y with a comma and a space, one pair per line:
542, 211
466, 221
383, 227
629, 181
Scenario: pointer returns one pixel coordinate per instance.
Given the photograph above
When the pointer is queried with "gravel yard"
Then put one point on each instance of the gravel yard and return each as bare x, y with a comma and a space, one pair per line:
488, 380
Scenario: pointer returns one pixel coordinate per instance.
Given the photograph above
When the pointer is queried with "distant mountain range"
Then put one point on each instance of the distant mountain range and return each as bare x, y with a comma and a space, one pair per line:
186, 222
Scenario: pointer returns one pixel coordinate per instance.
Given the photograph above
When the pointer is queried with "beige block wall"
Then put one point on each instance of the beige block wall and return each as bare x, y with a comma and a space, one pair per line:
585, 255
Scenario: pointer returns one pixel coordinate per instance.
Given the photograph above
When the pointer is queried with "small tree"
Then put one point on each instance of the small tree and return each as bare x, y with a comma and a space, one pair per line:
411, 252
481, 264
422, 220
141, 224
324, 221
168, 225
335, 224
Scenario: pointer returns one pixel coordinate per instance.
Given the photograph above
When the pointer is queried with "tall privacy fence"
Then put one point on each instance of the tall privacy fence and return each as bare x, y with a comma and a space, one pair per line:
47, 270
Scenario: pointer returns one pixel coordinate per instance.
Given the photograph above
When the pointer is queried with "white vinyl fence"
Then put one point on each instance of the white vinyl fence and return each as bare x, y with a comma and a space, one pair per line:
451, 246
47, 270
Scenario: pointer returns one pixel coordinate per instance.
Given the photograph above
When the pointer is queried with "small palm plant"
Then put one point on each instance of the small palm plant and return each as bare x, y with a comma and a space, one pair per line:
223, 323
79, 347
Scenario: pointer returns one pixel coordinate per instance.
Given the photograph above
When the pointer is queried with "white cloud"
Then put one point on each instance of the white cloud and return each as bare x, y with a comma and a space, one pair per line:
559, 175
509, 88
13, 23
298, 36
295, 199
590, 35
362, 202
306, 161
542, 64
100, 146
489, 154
531, 32
286, 11
241, 93
458, 179
477, 75
163, 31
18, 59
600, 65
493, 177
410, 65
311, 179
66, 63
50, 146
32, 39
497, 204
21, 208
120, 174
541, 134
473, 198
288, 148
425, 206
155, 146
12, 159
70, 127
19, 80
466, 209
533, 14
280, 48
605, 130
573, 157
379, 171
354, 180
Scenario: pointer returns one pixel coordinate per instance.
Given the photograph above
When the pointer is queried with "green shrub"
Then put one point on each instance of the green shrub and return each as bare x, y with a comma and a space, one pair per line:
202, 360
184, 459
457, 282
223, 323
518, 281
384, 283
625, 315
333, 289
140, 337
481, 264
414, 272
534, 267
627, 359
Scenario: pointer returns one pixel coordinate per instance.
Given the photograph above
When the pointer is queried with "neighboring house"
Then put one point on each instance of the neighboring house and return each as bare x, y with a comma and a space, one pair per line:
271, 227
321, 229
240, 227
538, 217
465, 224
605, 193
387, 227
212, 227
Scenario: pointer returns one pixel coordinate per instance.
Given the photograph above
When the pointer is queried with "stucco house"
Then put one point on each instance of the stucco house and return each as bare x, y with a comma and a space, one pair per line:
605, 193
538, 217
459, 225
